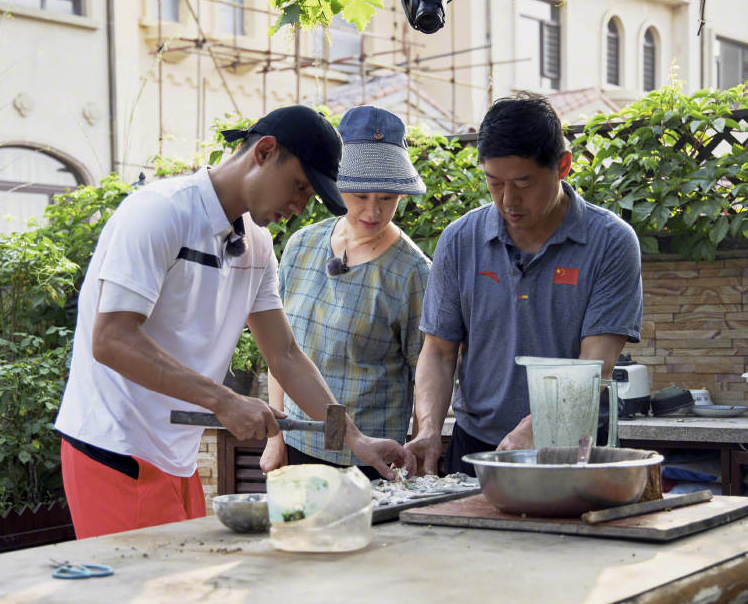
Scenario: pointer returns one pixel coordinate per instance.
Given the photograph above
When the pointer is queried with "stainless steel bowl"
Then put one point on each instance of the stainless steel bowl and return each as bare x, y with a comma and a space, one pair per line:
243, 513
515, 482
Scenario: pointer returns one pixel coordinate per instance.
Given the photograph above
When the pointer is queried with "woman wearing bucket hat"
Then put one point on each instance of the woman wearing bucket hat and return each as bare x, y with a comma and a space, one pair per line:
352, 288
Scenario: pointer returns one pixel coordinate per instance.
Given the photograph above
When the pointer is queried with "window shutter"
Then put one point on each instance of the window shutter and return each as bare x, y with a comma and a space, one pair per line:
649, 61
550, 50
649, 68
613, 57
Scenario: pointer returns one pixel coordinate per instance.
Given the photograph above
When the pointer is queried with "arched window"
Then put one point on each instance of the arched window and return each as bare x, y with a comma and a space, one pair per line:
650, 60
28, 180
613, 55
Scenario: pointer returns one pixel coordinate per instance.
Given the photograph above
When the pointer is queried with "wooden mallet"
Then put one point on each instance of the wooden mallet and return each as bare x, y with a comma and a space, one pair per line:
333, 427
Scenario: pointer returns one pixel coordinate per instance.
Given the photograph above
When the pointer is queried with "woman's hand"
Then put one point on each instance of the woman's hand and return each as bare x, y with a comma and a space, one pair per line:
275, 454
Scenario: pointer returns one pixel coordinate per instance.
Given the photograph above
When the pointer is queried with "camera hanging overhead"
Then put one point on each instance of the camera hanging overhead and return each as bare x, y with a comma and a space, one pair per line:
425, 15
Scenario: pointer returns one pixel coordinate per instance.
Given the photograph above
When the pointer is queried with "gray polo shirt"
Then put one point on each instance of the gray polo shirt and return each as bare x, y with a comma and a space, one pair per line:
584, 281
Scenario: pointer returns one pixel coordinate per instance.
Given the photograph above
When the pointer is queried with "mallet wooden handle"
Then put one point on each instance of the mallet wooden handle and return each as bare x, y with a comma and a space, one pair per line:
645, 507
197, 418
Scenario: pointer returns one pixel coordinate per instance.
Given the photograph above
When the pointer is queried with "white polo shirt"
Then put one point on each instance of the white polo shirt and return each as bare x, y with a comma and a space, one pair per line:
167, 243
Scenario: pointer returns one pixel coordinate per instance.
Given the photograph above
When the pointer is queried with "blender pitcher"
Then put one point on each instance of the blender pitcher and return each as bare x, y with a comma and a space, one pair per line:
565, 400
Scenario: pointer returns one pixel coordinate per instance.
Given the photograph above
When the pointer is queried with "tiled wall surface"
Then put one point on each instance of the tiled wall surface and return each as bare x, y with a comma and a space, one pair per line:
695, 326
207, 466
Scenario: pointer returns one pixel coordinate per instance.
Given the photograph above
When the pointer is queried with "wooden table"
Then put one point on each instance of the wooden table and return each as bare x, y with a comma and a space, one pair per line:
729, 436
201, 561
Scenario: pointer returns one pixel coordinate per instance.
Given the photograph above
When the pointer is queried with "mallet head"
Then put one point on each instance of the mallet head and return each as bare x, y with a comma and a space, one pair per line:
335, 422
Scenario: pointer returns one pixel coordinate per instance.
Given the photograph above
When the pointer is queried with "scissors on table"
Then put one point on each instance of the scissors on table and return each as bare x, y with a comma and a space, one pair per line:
65, 570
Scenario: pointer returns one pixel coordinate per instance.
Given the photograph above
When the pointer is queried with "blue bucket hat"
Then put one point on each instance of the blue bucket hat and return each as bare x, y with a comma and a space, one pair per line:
375, 155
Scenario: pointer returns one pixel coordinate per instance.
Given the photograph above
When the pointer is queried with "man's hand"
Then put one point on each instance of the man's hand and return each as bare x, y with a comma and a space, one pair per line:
380, 453
275, 454
247, 417
520, 437
427, 450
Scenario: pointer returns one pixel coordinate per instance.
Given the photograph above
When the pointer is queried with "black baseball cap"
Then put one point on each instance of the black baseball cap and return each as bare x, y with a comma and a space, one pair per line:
313, 140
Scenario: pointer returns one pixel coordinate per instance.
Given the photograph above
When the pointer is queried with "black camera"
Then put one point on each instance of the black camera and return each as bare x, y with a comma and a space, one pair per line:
425, 15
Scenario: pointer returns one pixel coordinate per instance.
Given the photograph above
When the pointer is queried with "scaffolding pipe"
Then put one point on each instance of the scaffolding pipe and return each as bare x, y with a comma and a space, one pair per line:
311, 61
210, 52
265, 71
489, 56
371, 35
408, 76
279, 61
297, 66
160, 85
472, 66
427, 75
445, 54
202, 126
454, 88
200, 93
362, 59
325, 67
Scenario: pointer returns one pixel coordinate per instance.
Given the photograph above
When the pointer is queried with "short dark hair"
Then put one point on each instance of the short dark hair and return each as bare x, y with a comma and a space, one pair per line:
524, 125
252, 138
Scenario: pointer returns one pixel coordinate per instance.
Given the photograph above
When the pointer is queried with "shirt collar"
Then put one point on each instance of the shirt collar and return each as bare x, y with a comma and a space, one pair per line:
219, 223
572, 227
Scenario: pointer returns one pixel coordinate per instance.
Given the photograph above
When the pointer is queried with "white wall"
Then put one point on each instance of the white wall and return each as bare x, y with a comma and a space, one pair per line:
58, 64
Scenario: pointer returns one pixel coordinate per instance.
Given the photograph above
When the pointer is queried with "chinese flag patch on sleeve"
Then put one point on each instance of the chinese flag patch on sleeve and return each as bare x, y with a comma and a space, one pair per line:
565, 275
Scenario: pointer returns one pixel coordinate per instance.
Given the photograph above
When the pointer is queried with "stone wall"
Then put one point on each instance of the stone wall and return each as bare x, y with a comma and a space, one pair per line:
207, 466
695, 327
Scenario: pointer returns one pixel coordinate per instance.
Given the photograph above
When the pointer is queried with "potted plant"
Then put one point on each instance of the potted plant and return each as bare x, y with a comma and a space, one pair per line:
246, 365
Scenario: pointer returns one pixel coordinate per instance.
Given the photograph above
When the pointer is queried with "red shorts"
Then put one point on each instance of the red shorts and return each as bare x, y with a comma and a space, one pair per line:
103, 500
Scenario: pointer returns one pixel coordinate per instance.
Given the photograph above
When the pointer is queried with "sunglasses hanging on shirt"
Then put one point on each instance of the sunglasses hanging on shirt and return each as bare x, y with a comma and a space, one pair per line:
337, 266
237, 241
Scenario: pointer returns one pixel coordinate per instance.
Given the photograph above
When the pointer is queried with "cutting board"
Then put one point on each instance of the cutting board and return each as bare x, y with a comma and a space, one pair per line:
476, 512
383, 513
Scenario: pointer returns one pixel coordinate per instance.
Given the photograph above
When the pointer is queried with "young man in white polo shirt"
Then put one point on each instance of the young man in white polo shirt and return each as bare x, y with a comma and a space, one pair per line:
179, 269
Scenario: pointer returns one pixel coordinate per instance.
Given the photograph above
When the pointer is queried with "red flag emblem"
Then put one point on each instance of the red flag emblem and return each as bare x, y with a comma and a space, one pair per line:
565, 275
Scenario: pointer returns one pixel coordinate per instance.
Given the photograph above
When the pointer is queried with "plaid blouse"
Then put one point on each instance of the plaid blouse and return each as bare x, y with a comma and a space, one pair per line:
360, 329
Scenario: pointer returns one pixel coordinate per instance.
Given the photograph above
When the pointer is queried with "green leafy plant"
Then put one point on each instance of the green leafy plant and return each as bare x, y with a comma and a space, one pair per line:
76, 218
657, 164
454, 185
310, 13
32, 381
40, 272
35, 279
247, 356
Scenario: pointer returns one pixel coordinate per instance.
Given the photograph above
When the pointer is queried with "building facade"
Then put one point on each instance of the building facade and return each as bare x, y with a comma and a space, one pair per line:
93, 86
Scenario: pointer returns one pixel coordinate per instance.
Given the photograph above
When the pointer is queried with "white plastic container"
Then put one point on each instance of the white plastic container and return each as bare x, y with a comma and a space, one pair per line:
318, 508
701, 397
565, 400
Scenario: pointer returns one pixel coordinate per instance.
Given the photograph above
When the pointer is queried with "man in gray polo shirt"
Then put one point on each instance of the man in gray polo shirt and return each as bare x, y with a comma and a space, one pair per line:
540, 272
